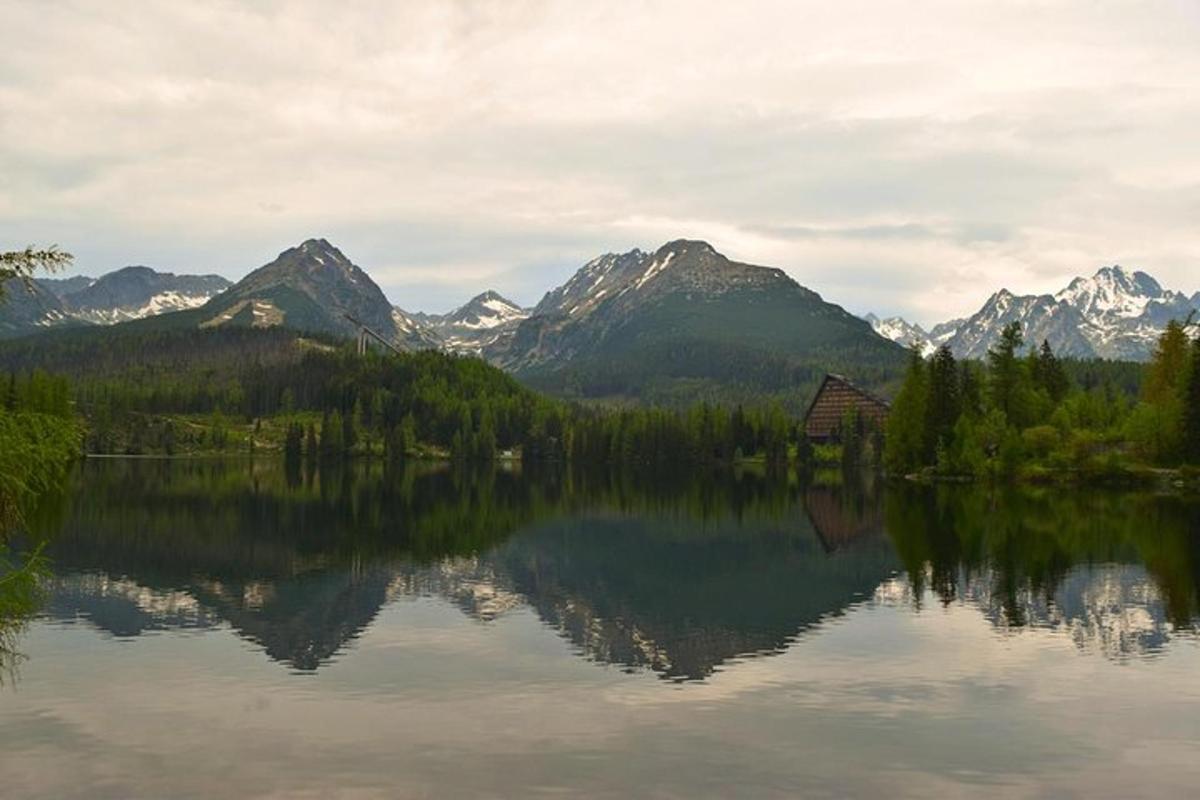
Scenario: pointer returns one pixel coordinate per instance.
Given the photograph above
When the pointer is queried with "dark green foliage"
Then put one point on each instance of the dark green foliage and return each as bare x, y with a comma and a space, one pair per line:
1005, 370
1049, 374
1036, 422
378, 404
1191, 409
657, 437
944, 403
906, 426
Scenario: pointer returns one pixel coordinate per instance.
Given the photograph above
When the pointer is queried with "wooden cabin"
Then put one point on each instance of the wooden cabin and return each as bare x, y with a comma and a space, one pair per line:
836, 396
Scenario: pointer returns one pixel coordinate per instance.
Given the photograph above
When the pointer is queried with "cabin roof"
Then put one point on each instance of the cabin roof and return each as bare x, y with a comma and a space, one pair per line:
833, 376
875, 406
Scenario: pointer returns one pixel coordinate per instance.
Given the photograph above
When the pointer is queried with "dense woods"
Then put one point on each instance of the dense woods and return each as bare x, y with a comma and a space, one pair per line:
146, 390
1031, 414
1024, 411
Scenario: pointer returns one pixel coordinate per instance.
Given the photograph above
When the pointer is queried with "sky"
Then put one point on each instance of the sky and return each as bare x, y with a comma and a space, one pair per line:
899, 158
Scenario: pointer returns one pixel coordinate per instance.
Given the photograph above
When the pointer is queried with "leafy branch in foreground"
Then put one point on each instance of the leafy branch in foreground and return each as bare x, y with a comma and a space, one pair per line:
22, 264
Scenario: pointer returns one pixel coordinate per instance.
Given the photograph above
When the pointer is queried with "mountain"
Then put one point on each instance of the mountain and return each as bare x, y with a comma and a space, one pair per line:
685, 322
902, 332
1115, 314
62, 288
1041, 318
313, 287
487, 321
30, 308
137, 292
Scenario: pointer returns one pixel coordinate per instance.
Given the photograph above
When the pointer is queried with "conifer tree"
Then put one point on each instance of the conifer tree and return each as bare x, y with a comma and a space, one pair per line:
903, 449
1191, 409
1049, 374
943, 405
1006, 370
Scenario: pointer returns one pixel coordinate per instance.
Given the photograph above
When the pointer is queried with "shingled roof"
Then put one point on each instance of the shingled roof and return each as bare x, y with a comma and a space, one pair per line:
837, 395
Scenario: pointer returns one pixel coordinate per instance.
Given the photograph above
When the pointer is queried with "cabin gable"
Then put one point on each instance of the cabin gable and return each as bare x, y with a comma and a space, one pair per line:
836, 396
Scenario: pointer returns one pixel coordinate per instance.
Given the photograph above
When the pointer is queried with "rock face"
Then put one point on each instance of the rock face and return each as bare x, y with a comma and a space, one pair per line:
314, 287
685, 312
486, 322
138, 292
1115, 314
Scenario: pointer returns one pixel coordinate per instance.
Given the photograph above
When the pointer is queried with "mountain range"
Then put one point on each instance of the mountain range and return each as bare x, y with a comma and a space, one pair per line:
682, 322
1116, 314
126, 294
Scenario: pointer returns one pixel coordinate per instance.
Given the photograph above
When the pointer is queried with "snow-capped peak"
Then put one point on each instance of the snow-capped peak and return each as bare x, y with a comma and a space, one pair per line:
903, 332
1112, 291
487, 310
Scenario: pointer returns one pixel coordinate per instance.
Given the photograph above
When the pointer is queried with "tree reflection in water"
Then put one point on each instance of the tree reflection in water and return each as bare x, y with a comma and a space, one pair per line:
679, 574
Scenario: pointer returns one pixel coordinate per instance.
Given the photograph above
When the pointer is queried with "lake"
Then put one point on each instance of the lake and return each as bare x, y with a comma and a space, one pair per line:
235, 628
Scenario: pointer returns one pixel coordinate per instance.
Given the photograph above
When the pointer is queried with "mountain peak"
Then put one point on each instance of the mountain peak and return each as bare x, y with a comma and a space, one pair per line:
320, 243
132, 271
688, 245
312, 287
323, 253
486, 310
1113, 292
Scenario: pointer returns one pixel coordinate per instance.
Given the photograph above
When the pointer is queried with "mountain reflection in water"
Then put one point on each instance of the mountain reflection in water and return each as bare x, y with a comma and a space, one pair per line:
679, 577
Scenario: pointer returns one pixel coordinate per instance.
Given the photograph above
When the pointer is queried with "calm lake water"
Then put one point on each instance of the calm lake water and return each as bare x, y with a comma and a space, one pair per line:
230, 629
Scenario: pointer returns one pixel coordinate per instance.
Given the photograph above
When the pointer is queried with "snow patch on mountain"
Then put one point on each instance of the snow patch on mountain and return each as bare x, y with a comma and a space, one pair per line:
1116, 313
903, 332
479, 323
161, 303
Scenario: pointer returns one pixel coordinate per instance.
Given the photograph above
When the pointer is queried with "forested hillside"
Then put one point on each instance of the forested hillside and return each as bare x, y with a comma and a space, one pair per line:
146, 390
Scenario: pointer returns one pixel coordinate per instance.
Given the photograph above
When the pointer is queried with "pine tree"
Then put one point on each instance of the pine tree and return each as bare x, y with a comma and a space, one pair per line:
903, 449
943, 405
1167, 365
1006, 370
1050, 375
970, 398
1191, 409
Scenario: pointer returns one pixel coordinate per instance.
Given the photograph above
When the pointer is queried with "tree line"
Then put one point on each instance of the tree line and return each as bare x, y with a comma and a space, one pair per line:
164, 391
1018, 413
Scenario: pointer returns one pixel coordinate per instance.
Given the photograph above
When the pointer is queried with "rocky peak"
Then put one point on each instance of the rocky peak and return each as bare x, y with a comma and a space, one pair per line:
486, 310
1113, 291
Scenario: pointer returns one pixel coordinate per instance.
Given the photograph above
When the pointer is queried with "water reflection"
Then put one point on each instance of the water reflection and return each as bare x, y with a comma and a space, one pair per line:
678, 576
1116, 571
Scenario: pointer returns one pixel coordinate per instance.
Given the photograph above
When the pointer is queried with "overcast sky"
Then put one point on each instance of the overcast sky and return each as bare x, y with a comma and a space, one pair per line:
903, 158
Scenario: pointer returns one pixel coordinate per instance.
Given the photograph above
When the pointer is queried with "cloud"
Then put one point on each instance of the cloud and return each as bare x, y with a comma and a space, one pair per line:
894, 159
